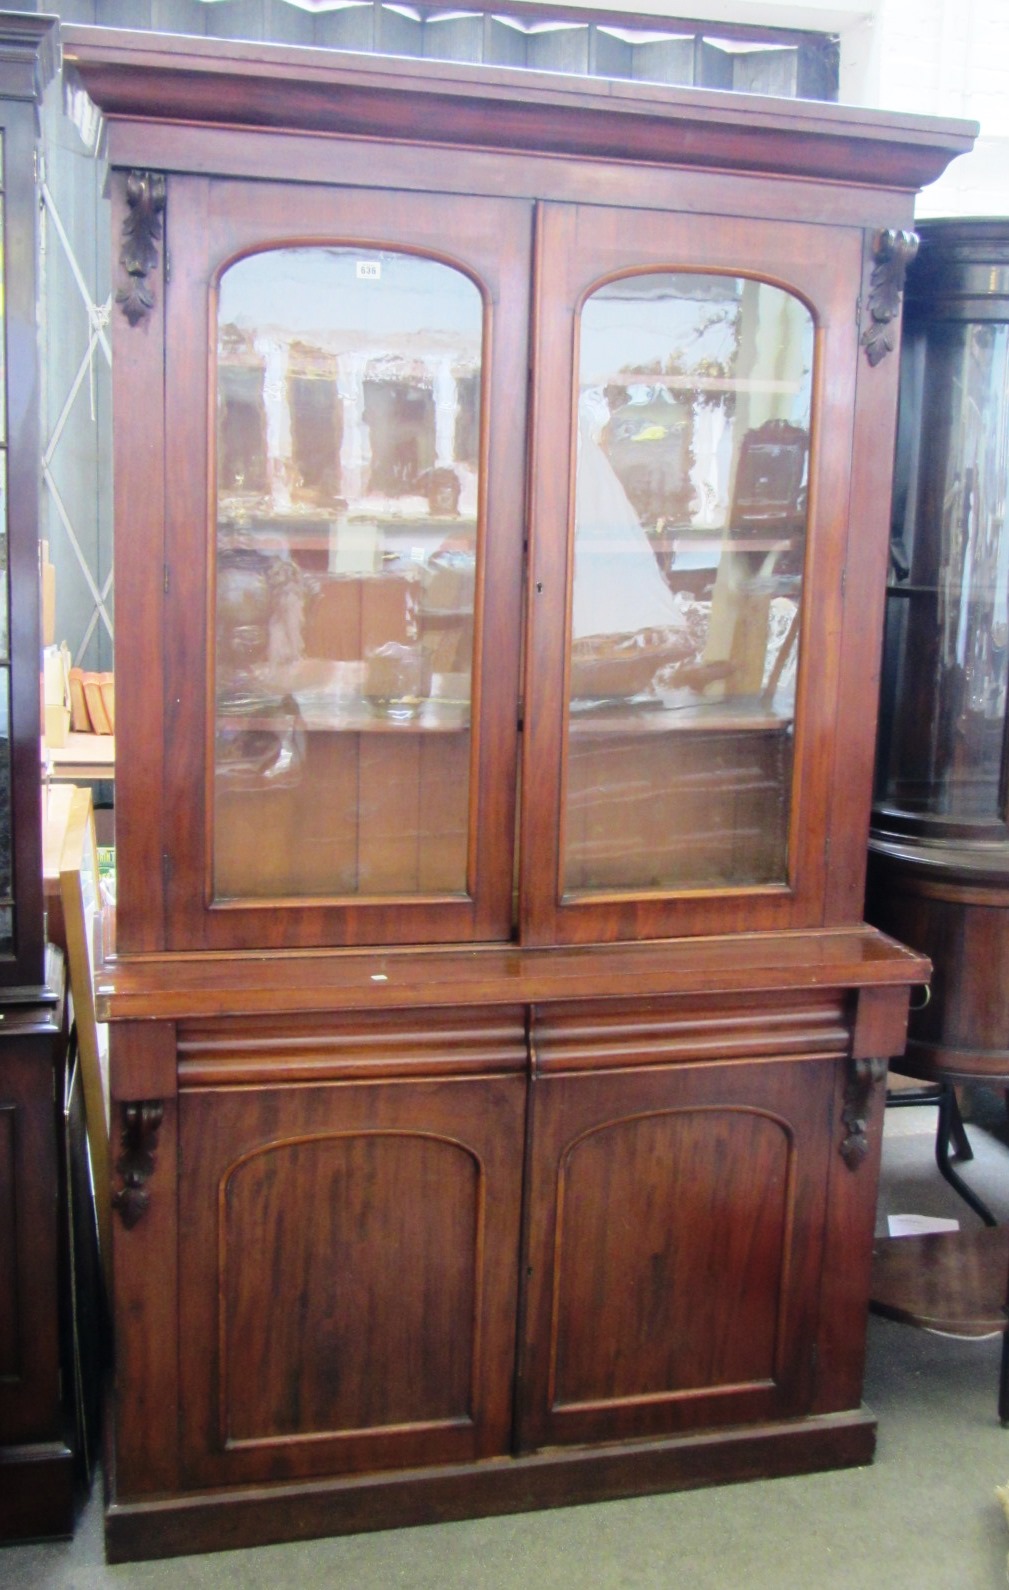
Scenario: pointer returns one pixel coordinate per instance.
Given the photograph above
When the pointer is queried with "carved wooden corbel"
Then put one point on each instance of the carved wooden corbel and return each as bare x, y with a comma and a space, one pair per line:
141, 1121
863, 1076
145, 194
893, 252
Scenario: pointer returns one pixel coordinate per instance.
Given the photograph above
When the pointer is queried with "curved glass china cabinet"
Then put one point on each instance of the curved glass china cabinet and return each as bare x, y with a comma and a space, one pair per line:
501, 490
939, 871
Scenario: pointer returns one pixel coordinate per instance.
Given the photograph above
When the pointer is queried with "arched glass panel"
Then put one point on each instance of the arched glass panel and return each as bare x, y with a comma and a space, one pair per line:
348, 421
689, 544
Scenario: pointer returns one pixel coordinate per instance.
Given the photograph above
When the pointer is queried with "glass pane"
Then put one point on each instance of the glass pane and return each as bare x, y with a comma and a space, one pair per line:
3, 316
690, 527
4, 606
3, 530
6, 863
943, 723
348, 425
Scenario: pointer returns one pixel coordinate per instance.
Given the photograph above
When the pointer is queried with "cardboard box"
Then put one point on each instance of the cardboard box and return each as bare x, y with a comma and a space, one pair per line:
57, 724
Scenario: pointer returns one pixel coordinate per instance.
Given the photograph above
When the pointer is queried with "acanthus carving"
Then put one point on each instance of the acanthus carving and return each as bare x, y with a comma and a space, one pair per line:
863, 1076
893, 252
145, 194
141, 1122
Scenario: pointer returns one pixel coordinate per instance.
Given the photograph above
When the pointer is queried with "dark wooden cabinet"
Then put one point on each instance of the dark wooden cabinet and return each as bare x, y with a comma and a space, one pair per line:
502, 472
36, 1419
36, 1422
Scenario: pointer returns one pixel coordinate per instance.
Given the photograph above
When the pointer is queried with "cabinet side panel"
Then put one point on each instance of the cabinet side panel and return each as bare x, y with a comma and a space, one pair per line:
145, 1272
10, 1357
851, 1214
139, 502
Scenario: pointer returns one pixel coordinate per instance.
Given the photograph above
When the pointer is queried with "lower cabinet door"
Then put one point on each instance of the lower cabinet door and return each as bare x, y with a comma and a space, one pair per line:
348, 1272
674, 1248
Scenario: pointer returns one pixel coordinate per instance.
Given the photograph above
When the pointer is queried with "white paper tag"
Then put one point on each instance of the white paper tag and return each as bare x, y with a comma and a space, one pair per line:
369, 270
918, 1225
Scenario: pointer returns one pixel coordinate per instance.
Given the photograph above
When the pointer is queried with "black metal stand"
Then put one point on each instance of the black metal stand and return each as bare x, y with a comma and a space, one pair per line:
949, 1131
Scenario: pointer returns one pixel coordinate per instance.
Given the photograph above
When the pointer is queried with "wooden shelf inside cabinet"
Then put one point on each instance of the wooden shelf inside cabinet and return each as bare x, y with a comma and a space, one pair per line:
430, 718
730, 541
651, 715
320, 696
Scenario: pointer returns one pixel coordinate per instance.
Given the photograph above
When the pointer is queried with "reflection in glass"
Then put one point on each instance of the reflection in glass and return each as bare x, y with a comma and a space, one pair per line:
3, 315
348, 420
6, 860
6, 852
4, 603
942, 744
690, 522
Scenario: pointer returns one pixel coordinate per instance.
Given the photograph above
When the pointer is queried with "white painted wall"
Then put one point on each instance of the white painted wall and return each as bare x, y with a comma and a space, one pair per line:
948, 58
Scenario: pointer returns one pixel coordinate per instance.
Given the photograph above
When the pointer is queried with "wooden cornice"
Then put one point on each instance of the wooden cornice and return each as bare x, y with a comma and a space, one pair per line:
137, 77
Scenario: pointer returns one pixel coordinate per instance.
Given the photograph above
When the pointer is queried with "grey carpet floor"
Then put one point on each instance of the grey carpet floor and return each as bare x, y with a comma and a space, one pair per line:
922, 1517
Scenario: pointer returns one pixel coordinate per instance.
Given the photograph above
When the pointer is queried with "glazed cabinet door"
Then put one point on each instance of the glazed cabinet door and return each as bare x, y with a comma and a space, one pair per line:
686, 601
338, 546
348, 1253
676, 1221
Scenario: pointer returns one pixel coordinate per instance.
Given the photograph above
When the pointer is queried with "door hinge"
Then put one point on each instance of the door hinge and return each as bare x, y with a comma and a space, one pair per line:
167, 579
844, 582
166, 868
168, 267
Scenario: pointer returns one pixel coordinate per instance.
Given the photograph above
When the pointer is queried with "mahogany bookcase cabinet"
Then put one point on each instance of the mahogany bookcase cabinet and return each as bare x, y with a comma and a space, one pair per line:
502, 488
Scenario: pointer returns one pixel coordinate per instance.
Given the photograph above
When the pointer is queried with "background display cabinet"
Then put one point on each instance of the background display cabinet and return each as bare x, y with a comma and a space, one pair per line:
502, 485
939, 870
36, 1419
